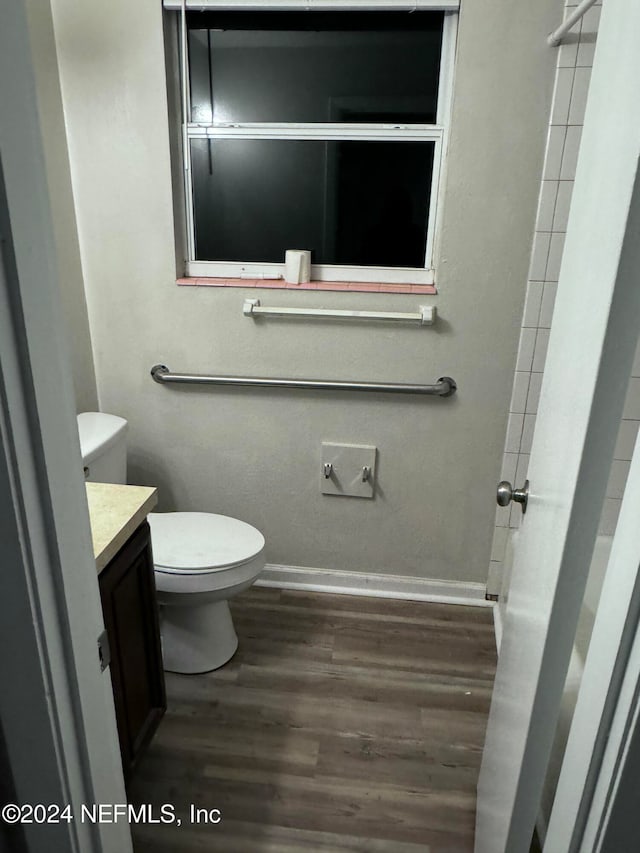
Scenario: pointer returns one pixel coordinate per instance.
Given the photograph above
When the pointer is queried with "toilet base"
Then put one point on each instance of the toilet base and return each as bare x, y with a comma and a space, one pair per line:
197, 638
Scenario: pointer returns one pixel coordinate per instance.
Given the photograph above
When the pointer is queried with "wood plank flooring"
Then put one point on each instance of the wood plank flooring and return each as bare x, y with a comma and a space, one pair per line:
341, 724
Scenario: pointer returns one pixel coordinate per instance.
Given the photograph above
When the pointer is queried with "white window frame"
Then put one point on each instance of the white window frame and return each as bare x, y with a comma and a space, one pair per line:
320, 131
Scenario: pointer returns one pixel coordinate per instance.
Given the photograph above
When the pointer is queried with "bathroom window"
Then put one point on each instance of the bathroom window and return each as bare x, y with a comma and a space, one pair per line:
315, 130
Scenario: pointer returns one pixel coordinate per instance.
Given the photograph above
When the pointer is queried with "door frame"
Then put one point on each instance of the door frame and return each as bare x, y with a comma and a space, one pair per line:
604, 730
602, 745
56, 718
591, 350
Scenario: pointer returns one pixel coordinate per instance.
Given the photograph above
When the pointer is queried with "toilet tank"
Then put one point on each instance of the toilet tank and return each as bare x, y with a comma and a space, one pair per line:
103, 444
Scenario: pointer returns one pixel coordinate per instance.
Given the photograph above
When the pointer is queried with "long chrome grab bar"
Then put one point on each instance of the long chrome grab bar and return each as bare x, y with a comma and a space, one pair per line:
425, 317
444, 387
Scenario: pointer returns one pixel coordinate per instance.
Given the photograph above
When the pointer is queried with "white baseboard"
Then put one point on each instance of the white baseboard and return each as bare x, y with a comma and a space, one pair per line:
379, 586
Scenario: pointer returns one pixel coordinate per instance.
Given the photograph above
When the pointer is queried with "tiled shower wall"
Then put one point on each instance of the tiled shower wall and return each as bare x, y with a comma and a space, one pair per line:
575, 59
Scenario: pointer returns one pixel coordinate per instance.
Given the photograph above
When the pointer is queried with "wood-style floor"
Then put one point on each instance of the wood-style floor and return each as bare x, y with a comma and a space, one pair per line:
341, 724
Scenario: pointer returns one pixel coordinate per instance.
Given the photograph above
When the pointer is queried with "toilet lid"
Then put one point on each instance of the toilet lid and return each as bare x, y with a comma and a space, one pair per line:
201, 541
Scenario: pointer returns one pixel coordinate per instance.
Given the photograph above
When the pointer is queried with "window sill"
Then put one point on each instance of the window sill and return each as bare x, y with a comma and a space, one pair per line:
279, 284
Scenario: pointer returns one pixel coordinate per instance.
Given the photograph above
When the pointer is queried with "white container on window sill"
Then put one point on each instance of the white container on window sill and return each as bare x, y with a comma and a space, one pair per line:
297, 266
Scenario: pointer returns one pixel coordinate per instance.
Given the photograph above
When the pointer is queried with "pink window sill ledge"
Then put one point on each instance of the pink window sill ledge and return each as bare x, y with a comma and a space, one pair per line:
280, 284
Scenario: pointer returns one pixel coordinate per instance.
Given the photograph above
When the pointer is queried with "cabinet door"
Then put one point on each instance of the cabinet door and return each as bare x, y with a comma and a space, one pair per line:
127, 589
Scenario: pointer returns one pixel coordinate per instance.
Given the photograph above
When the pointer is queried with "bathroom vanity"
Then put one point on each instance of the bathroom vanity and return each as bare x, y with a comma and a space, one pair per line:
122, 549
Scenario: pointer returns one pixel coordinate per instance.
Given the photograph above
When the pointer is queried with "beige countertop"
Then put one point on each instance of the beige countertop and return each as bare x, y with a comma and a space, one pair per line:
116, 512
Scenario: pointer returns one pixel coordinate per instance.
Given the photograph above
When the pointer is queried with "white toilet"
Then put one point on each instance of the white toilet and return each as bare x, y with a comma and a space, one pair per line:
200, 559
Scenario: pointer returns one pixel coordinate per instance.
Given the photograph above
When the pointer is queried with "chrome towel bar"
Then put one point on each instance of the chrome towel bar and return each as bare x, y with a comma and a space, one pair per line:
444, 387
425, 317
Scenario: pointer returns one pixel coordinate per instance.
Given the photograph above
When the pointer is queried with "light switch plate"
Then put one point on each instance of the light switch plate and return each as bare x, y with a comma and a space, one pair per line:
347, 474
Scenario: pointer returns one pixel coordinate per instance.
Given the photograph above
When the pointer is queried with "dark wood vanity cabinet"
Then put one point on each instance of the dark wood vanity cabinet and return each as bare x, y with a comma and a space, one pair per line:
127, 591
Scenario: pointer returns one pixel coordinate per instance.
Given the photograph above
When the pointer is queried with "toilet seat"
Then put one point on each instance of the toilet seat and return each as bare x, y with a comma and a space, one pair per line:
194, 542
201, 552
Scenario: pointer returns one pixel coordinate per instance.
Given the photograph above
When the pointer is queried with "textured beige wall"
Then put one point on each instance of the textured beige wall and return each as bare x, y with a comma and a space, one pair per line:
256, 454
61, 198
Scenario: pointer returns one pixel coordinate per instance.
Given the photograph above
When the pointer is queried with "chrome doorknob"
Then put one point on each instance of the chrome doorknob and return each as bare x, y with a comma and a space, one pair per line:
506, 494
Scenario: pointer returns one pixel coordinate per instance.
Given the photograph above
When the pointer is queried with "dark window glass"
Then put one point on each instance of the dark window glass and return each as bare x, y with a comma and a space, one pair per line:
315, 67
350, 203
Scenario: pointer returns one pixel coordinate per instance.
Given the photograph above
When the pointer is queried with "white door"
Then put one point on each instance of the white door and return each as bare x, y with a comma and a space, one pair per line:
595, 326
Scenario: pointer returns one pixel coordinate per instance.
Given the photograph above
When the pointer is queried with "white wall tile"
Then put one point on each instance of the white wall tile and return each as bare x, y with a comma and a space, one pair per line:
532, 304
562, 96
617, 478
509, 466
555, 149
546, 206
588, 33
514, 433
539, 256
548, 301
526, 348
533, 397
609, 516
563, 203
540, 351
494, 578
568, 50
556, 247
574, 60
632, 402
520, 391
579, 95
499, 544
503, 513
522, 469
527, 433
626, 439
570, 153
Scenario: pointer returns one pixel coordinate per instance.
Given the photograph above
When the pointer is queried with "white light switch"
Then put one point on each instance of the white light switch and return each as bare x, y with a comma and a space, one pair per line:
348, 469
